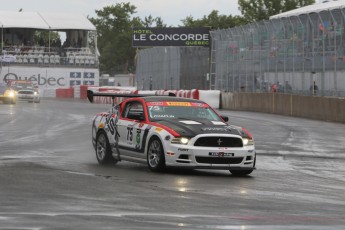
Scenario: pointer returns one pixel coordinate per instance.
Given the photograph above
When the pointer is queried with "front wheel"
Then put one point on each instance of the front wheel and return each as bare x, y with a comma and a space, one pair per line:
155, 155
103, 150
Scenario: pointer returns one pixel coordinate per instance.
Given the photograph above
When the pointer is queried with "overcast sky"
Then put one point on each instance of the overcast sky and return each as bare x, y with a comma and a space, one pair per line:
171, 11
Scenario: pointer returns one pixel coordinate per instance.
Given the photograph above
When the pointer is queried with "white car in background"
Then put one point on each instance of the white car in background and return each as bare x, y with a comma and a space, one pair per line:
25, 91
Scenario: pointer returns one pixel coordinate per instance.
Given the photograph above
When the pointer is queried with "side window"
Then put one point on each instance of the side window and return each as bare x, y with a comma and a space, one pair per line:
134, 110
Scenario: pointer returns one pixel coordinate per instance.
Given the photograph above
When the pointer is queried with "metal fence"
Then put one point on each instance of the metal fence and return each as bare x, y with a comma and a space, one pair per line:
172, 68
287, 54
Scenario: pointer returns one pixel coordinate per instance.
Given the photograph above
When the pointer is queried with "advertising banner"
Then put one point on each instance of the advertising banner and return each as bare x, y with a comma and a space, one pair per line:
52, 78
181, 36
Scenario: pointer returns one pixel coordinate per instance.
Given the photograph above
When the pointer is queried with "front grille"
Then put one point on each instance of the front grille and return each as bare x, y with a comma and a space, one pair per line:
25, 92
219, 142
219, 160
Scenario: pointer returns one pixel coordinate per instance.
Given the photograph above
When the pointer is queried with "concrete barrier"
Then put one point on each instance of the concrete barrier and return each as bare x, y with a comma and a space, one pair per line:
321, 108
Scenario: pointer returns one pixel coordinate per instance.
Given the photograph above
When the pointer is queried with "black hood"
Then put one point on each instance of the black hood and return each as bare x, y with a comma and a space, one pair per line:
191, 127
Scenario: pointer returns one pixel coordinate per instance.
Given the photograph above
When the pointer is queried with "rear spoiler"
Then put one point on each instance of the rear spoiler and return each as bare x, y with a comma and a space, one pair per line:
91, 94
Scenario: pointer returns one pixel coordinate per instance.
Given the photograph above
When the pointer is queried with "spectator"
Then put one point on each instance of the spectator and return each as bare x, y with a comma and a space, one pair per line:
288, 88
314, 88
274, 88
41, 42
280, 87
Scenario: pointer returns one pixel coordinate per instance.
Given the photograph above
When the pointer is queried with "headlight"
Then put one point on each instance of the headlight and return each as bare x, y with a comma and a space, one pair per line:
247, 141
11, 94
180, 140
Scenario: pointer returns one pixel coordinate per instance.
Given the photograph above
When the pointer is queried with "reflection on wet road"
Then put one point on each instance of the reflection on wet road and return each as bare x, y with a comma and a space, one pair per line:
50, 178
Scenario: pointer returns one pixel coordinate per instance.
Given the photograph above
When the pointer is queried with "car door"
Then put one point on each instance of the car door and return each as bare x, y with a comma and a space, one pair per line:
130, 126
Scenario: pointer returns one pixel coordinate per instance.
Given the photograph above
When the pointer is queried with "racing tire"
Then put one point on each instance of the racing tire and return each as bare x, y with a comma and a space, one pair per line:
155, 155
103, 150
241, 172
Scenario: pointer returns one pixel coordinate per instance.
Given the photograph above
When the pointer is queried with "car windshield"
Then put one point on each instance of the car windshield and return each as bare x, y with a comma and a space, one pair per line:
22, 85
185, 110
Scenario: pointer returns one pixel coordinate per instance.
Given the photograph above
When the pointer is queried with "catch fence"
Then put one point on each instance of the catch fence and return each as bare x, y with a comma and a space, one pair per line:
288, 55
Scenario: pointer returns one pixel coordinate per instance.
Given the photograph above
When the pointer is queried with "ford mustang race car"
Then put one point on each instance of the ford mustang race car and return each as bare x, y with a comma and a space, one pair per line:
25, 90
170, 131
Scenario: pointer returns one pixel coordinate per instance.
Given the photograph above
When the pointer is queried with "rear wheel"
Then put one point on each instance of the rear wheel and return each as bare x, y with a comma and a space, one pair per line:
103, 150
155, 155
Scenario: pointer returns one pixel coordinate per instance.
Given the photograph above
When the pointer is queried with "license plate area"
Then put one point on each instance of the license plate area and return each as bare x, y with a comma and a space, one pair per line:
220, 154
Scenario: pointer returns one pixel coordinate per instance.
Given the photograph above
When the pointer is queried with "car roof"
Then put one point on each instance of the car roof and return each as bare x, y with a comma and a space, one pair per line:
170, 98
22, 81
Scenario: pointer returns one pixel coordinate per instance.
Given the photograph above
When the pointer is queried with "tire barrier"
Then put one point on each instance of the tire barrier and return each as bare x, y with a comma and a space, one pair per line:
65, 93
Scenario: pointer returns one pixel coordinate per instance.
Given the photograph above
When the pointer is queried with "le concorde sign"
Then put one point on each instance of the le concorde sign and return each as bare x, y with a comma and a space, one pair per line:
181, 36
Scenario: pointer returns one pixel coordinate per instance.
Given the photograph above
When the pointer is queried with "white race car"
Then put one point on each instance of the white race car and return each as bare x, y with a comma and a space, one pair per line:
166, 131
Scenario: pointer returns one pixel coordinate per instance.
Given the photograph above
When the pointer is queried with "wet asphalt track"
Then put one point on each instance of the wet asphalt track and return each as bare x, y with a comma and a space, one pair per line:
50, 179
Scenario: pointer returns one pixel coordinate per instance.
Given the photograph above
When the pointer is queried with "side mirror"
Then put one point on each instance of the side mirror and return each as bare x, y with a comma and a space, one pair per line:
225, 118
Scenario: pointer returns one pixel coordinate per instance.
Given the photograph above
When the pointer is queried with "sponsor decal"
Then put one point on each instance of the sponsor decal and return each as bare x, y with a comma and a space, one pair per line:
178, 103
190, 122
163, 115
214, 129
152, 105
155, 103
218, 123
158, 129
182, 150
203, 105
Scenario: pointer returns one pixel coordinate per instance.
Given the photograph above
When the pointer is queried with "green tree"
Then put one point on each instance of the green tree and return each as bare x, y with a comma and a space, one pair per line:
114, 36
257, 10
45, 37
149, 21
214, 21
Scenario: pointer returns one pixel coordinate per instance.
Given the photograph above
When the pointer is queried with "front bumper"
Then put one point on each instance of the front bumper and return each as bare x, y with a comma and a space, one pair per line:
27, 97
190, 156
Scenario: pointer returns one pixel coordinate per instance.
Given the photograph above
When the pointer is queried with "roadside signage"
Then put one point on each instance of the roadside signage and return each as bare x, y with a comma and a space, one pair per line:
181, 36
